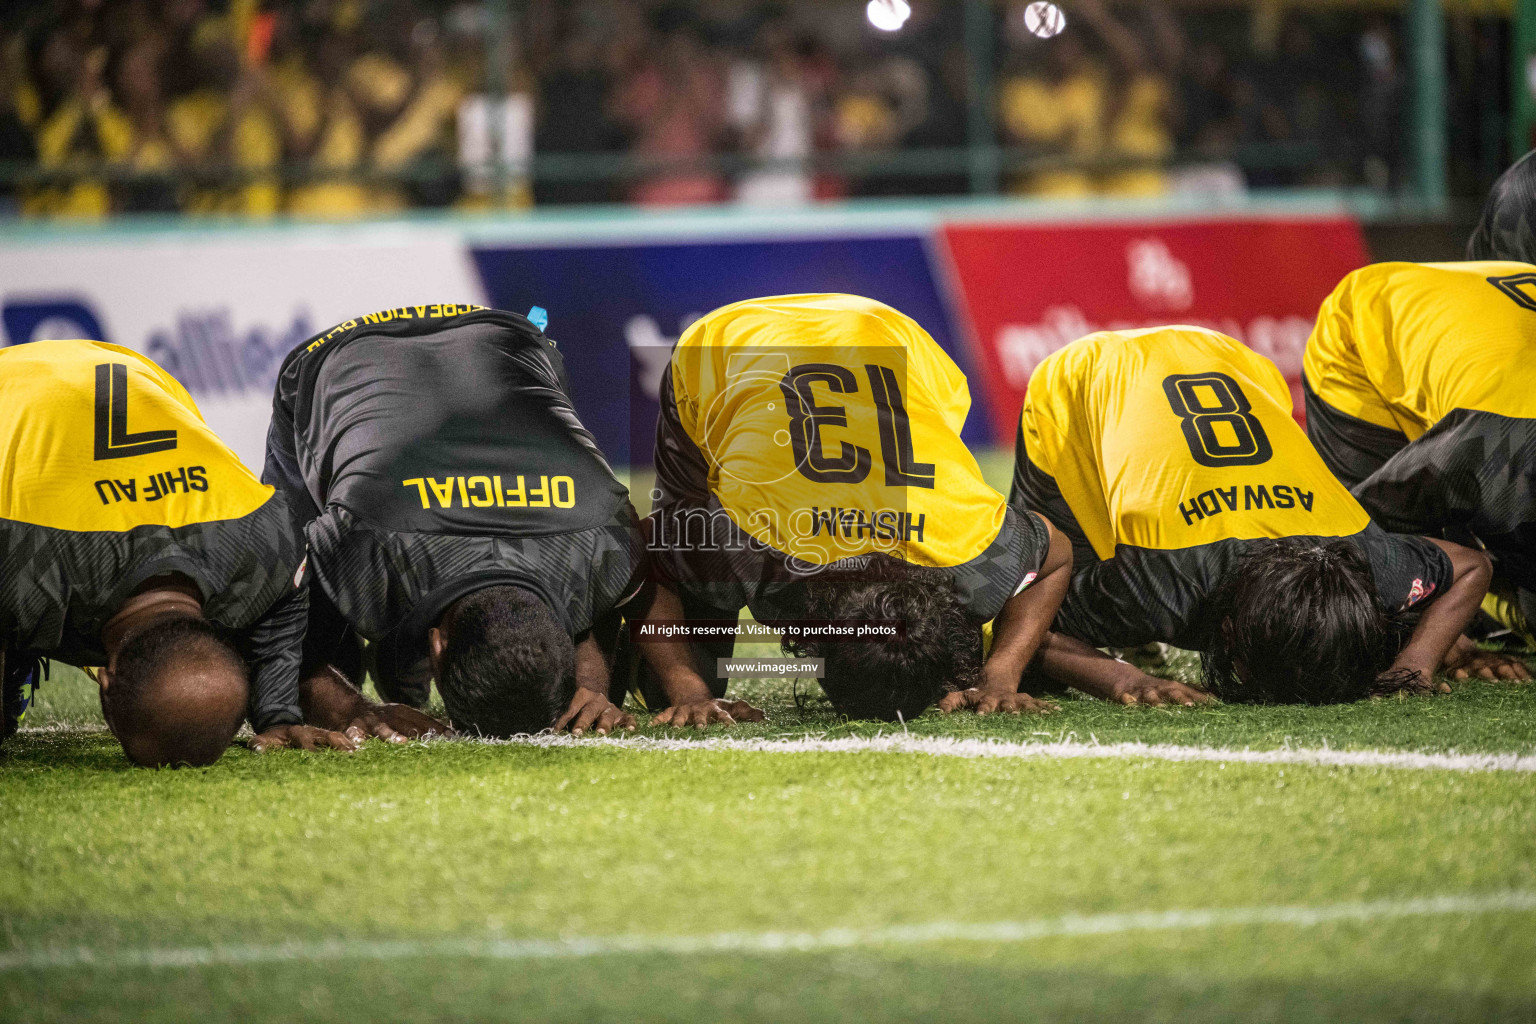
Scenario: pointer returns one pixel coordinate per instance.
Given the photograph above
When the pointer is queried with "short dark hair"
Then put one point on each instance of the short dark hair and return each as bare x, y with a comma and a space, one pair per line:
146, 663
508, 667
939, 651
1304, 623
1507, 228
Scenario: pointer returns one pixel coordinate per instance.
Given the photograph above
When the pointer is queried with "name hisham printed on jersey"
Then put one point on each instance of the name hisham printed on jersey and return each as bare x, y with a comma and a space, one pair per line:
713, 529
1225, 499
856, 524
487, 491
154, 487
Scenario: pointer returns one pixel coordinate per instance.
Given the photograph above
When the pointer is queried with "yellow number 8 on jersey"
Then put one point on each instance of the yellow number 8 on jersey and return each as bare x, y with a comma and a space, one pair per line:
1217, 418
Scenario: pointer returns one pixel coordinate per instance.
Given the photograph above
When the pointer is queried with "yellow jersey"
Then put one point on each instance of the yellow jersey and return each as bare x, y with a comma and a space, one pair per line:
1174, 437
830, 427
1402, 345
99, 438
109, 479
1166, 455
1421, 383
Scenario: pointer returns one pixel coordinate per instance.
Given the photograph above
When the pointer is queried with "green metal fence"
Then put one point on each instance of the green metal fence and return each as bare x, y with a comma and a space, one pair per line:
984, 164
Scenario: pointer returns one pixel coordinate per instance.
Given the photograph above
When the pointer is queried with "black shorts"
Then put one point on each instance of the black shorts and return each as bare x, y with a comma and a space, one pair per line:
1470, 478
1351, 448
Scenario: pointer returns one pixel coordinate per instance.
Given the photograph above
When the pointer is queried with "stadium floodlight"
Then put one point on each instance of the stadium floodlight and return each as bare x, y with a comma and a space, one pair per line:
888, 15
1044, 19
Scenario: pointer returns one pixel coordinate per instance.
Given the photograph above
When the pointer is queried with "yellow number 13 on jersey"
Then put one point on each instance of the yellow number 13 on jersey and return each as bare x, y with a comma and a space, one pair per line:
806, 418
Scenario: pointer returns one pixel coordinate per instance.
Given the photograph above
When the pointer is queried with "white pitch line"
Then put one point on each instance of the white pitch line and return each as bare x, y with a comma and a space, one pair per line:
949, 746
490, 948
952, 746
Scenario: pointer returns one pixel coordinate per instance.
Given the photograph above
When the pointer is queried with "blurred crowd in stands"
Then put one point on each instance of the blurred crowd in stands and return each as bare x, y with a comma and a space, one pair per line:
334, 108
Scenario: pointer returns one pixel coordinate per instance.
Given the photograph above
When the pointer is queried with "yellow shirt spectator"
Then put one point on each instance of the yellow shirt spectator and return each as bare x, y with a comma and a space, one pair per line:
78, 134
1066, 116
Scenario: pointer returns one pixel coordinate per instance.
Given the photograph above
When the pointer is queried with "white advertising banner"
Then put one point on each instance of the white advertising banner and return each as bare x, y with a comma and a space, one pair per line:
220, 310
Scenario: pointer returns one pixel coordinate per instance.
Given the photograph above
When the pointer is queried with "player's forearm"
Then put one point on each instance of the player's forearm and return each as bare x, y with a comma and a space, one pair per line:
591, 667
672, 660
1072, 662
329, 700
1445, 619
1026, 618
679, 680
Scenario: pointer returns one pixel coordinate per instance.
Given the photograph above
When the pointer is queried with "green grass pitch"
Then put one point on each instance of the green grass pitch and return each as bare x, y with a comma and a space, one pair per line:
458, 880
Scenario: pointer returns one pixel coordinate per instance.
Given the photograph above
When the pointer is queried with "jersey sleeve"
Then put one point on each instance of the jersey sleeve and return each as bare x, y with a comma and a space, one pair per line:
1035, 546
620, 569
682, 474
281, 470
639, 592
1035, 490
1407, 569
273, 647
1465, 472
1334, 366
1006, 568
557, 363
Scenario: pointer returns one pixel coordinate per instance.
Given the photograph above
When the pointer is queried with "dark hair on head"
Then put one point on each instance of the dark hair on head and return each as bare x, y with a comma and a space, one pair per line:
1304, 625
150, 729
940, 650
1507, 228
509, 667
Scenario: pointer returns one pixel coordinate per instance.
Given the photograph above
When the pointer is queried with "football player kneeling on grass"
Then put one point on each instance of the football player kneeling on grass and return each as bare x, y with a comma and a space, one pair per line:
463, 523
809, 467
133, 540
1421, 397
1200, 516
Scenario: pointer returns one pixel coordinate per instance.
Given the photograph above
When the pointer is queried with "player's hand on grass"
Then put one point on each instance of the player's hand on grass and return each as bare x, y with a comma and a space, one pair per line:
1466, 661
1151, 690
301, 737
1413, 681
986, 702
591, 711
709, 712
393, 723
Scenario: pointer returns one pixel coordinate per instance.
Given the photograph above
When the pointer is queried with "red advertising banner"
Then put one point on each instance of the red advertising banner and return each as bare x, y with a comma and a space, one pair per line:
1030, 289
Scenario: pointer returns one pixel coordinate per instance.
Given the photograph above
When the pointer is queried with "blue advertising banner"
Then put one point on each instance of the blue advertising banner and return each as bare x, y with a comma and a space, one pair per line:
615, 310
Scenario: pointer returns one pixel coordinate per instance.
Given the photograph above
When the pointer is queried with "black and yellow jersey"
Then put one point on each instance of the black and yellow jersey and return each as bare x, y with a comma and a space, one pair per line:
1164, 454
434, 450
1421, 396
826, 427
111, 478
1403, 345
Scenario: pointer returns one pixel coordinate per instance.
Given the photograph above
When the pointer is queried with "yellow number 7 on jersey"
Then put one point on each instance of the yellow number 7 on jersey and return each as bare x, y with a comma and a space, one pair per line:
112, 438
